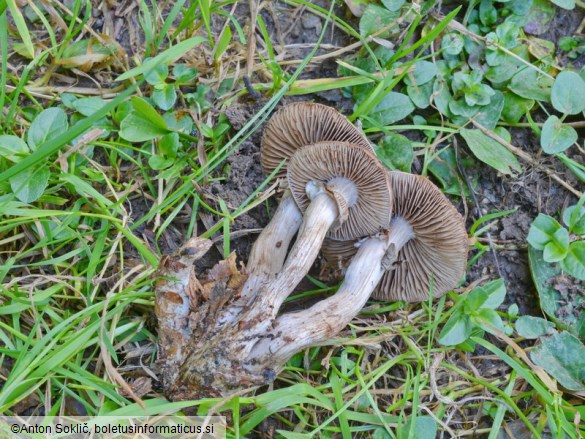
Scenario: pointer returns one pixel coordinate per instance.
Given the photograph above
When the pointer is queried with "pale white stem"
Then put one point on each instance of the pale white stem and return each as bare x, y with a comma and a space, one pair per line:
318, 218
299, 330
269, 250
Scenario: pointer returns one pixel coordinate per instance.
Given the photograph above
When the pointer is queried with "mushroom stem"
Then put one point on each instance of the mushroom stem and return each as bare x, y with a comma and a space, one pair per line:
329, 316
269, 250
326, 318
319, 216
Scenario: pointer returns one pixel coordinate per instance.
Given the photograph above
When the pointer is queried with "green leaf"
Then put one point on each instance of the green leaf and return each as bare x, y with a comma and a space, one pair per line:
30, 184
568, 93
574, 218
515, 107
556, 137
420, 95
13, 148
87, 106
541, 231
393, 5
184, 73
421, 427
565, 4
552, 286
167, 57
47, 125
158, 75
557, 248
396, 152
165, 96
374, 18
169, 144
456, 330
490, 316
562, 356
223, 43
452, 43
424, 71
142, 123
533, 327
394, 107
489, 115
574, 262
491, 152
490, 296
158, 162
531, 84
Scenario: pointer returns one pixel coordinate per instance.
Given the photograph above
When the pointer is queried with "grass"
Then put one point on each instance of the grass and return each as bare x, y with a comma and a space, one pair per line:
88, 211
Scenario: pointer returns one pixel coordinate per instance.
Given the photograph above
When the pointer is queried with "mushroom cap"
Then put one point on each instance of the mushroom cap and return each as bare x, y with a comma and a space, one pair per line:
303, 123
328, 162
437, 253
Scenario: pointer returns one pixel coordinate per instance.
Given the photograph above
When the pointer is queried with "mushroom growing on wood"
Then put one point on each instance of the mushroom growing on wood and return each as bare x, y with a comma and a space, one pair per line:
434, 259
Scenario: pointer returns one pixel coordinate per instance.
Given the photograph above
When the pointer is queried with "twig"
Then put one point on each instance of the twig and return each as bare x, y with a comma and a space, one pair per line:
528, 158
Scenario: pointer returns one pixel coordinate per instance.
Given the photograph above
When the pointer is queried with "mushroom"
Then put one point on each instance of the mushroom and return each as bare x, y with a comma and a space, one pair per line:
342, 189
304, 123
290, 128
434, 259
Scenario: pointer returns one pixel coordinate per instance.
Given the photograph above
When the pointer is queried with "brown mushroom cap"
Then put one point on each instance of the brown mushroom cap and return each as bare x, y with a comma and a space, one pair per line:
437, 253
339, 164
303, 123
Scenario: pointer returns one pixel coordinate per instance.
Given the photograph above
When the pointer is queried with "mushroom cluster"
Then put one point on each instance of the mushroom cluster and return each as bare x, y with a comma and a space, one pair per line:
396, 234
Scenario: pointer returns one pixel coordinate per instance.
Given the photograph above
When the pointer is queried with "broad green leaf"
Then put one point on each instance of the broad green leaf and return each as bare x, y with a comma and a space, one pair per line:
393, 5
30, 184
531, 84
394, 107
568, 93
489, 115
420, 94
184, 73
562, 356
574, 218
87, 106
541, 231
539, 17
490, 295
169, 144
556, 137
47, 125
376, 17
574, 263
167, 57
491, 317
565, 4
550, 282
165, 96
452, 43
456, 330
515, 107
491, 152
533, 327
557, 248
424, 71
396, 152
421, 427
142, 123
158, 75
158, 162
13, 148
